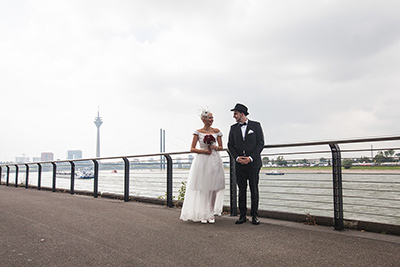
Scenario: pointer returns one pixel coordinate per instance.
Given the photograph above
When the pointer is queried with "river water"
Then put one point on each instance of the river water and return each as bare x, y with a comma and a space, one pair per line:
368, 197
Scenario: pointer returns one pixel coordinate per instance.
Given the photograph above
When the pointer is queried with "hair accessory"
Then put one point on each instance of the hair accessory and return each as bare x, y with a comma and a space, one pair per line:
204, 113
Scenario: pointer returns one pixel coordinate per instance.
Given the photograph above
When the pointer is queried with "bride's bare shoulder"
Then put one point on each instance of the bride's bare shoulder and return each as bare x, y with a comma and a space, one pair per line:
216, 130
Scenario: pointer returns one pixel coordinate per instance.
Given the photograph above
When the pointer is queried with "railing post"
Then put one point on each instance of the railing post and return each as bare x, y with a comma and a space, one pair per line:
337, 187
54, 176
169, 180
39, 183
16, 175
96, 178
0, 174
233, 188
72, 189
126, 184
8, 175
26, 176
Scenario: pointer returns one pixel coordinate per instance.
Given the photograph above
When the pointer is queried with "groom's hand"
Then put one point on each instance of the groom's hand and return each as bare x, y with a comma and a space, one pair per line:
244, 160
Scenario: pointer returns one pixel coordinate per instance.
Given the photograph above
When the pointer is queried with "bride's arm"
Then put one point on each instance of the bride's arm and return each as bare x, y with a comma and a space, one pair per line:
219, 142
198, 151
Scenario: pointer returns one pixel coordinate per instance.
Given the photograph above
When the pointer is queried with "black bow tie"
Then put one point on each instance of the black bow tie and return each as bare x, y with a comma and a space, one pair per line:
243, 124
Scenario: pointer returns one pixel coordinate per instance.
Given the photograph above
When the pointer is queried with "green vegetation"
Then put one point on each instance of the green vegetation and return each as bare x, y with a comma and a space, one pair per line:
382, 159
375, 167
347, 163
182, 192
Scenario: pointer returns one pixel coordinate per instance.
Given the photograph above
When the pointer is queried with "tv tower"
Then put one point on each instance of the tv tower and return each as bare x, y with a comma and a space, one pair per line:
98, 123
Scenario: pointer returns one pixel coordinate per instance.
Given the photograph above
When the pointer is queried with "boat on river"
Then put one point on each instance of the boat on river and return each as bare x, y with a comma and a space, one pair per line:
85, 174
274, 172
80, 174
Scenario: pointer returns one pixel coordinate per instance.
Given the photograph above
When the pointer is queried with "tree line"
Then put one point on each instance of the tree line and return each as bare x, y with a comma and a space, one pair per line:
378, 159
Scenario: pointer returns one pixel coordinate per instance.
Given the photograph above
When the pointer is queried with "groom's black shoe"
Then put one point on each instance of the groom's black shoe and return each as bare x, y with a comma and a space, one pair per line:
242, 219
255, 220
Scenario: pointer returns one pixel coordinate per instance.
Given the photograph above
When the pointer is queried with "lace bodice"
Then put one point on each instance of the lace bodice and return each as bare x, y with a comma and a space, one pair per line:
201, 138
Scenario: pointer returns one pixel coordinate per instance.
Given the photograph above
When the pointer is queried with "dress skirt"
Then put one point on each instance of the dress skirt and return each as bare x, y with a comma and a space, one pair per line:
205, 188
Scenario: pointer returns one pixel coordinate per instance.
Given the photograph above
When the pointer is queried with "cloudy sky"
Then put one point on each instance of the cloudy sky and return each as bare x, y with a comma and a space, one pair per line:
308, 70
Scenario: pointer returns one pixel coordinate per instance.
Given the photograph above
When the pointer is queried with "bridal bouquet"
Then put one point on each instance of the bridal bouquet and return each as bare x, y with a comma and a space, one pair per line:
209, 139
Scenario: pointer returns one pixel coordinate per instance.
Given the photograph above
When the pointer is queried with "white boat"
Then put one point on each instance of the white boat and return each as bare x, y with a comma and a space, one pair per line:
85, 174
80, 174
274, 172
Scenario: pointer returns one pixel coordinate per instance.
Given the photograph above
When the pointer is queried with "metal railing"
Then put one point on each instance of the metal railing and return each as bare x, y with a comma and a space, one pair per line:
337, 183
96, 173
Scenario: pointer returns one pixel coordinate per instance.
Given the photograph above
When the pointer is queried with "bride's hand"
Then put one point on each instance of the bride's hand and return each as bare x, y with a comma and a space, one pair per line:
208, 151
213, 147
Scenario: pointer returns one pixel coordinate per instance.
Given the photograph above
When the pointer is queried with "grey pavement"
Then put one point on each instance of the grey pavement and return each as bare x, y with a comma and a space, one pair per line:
42, 228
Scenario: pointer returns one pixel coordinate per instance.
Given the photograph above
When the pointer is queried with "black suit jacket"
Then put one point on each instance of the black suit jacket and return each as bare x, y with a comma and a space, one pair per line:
253, 144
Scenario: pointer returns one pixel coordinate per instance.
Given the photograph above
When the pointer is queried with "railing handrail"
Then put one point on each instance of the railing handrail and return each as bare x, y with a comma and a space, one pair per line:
315, 143
91, 159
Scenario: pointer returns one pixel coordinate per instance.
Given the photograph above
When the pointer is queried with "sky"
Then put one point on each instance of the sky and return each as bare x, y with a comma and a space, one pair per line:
308, 70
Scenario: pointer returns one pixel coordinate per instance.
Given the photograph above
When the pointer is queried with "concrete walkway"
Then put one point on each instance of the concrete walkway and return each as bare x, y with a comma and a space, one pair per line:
42, 228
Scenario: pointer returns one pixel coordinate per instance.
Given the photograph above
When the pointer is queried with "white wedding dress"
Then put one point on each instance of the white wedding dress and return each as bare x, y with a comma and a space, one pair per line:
206, 184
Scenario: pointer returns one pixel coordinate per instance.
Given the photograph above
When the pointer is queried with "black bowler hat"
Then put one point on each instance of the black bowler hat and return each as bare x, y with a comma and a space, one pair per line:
241, 108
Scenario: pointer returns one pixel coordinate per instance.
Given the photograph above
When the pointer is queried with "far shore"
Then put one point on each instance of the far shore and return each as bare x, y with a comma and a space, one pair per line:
329, 170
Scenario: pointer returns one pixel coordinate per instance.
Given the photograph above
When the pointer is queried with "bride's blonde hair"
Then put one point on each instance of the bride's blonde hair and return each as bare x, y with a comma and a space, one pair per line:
204, 113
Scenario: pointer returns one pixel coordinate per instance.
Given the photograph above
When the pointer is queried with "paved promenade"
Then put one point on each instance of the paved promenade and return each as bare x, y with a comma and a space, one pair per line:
42, 228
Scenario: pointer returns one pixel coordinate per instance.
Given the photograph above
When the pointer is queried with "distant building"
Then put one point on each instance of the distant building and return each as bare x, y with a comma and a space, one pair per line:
36, 159
21, 159
47, 156
74, 154
179, 161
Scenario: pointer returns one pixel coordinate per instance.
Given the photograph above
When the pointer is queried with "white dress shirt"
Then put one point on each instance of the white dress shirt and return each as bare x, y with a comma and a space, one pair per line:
244, 128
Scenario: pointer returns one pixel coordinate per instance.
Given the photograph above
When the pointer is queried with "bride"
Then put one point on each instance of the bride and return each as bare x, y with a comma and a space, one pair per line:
206, 183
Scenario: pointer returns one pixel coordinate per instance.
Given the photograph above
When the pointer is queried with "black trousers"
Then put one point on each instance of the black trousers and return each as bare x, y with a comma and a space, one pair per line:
246, 173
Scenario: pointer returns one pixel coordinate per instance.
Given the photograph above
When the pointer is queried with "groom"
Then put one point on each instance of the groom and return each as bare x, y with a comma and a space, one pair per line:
246, 141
